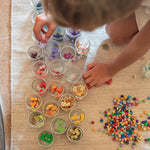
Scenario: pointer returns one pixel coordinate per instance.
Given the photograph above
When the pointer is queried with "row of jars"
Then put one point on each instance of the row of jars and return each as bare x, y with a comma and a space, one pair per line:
53, 50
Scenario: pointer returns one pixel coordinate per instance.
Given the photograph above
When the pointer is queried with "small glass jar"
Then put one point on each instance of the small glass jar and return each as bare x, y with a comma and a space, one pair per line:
57, 68
40, 69
59, 34
50, 109
146, 70
35, 14
56, 89
79, 90
82, 45
67, 102
52, 50
72, 34
45, 138
36, 119
58, 125
35, 53
37, 5
34, 102
76, 116
34, 38
39, 86
72, 74
68, 54
74, 134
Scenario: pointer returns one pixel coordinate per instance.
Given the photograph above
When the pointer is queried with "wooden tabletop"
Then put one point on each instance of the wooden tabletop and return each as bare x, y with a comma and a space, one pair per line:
5, 66
123, 82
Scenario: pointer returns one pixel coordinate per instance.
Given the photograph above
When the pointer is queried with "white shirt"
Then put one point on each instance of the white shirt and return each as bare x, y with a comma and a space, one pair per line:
142, 14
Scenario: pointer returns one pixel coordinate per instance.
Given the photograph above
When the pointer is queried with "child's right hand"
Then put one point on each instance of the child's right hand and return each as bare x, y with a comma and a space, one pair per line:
41, 20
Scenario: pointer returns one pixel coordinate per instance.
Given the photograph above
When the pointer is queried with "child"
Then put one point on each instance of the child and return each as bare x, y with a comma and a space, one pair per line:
126, 24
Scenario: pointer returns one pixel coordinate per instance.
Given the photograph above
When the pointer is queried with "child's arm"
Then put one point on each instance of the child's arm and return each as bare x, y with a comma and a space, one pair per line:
99, 73
138, 46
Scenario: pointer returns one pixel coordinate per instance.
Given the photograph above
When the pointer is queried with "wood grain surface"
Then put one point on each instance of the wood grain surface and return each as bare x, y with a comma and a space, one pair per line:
5, 99
24, 137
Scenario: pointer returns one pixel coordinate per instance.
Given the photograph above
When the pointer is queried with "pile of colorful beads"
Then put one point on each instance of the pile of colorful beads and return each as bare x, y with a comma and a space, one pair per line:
122, 124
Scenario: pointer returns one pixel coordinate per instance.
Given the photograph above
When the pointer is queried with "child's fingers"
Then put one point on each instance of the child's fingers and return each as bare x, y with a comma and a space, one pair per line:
90, 66
50, 32
98, 84
89, 80
87, 74
36, 29
93, 83
38, 36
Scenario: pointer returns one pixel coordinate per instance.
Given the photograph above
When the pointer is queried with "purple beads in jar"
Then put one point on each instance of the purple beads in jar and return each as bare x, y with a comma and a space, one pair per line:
72, 34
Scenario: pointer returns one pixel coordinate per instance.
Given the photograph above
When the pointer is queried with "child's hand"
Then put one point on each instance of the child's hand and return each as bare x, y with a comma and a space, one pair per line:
40, 21
97, 74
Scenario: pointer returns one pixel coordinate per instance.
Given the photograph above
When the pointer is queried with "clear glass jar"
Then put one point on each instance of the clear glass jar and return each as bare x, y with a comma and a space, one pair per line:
77, 116
35, 14
72, 74
79, 90
82, 45
56, 89
146, 70
50, 109
35, 53
37, 5
67, 102
72, 34
52, 50
59, 34
58, 125
40, 69
36, 119
57, 68
46, 138
39, 86
68, 54
34, 102
77, 134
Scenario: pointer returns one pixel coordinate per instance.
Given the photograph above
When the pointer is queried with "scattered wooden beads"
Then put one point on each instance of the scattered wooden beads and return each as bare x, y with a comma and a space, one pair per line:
122, 124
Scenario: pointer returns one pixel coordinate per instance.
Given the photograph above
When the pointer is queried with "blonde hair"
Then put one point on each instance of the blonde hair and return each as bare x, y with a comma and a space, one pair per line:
88, 14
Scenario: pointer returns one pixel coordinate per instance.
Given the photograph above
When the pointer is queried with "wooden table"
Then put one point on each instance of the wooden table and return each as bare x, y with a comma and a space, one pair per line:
128, 85
5, 65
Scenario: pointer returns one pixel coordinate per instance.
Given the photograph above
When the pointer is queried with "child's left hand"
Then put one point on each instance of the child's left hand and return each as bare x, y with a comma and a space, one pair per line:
97, 74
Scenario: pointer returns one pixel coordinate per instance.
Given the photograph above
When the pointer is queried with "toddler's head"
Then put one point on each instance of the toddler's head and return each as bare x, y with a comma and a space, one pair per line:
88, 14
